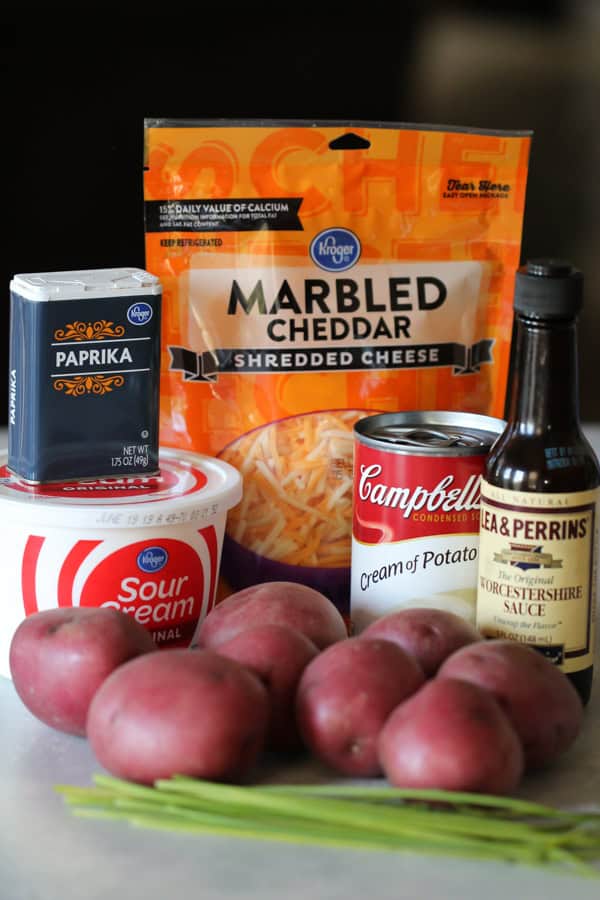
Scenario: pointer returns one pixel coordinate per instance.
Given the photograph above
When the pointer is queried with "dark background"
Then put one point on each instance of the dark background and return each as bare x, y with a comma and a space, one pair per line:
75, 98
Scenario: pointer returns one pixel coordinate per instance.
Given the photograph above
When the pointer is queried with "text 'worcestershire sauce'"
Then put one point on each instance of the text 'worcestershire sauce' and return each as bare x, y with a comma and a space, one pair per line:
539, 497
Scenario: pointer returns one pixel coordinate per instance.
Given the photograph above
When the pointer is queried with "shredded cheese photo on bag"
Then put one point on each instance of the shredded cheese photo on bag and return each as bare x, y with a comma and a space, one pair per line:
315, 273
297, 503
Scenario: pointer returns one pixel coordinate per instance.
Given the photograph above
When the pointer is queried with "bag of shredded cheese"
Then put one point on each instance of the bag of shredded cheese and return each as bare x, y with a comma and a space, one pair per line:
313, 274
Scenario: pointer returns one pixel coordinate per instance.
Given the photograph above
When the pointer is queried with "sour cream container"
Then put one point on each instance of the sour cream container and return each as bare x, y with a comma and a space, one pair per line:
149, 546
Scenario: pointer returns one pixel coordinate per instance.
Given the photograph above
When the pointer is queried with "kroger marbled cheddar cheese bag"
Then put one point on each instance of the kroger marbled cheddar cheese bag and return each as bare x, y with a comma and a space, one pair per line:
310, 278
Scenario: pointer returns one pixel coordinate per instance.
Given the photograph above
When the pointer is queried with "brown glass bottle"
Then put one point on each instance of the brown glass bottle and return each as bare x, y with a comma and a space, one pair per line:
543, 450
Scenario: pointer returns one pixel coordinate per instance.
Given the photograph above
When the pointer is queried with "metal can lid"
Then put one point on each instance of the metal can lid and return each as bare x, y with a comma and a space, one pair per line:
85, 284
430, 432
188, 484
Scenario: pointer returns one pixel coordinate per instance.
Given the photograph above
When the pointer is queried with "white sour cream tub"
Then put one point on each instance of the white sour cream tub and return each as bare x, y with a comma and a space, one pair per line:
147, 545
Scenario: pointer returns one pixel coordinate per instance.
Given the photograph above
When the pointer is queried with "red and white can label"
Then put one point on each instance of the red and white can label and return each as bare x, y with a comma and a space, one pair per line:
415, 532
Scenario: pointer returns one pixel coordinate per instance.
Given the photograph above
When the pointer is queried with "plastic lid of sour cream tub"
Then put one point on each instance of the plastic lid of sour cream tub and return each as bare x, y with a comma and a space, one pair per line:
190, 486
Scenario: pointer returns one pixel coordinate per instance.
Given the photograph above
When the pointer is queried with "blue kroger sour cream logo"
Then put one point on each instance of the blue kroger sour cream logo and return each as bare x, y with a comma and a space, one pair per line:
140, 313
335, 249
152, 559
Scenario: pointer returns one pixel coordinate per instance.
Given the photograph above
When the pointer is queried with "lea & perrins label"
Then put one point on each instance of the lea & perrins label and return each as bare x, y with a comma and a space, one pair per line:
537, 571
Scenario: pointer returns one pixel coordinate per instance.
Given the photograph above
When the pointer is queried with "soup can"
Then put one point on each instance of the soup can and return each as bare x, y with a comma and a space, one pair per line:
415, 530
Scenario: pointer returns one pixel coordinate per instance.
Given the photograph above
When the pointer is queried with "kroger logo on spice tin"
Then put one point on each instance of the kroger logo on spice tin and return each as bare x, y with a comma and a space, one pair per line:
139, 313
335, 249
152, 559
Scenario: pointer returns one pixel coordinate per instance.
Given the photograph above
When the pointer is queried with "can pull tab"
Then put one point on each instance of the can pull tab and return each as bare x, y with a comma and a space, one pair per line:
426, 437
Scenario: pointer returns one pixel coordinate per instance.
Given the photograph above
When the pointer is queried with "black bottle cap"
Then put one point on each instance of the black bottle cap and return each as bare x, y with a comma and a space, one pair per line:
548, 289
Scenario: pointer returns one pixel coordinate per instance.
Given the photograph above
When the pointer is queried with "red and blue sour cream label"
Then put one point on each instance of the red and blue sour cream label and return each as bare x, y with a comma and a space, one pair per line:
148, 546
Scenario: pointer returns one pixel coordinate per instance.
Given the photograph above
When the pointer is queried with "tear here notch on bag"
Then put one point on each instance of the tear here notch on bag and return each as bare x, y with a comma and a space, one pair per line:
349, 141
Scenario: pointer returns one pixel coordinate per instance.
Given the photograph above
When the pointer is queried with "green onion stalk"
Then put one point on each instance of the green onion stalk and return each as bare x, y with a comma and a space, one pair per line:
432, 822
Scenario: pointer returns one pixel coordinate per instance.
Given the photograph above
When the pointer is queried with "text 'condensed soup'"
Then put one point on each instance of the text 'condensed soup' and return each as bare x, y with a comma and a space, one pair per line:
416, 498
149, 546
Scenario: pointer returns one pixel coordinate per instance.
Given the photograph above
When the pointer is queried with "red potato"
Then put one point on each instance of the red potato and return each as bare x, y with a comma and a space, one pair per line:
346, 694
430, 635
278, 655
274, 603
451, 735
540, 701
188, 712
60, 657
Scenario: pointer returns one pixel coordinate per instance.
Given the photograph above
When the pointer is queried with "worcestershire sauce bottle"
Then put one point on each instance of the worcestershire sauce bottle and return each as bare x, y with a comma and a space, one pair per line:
539, 495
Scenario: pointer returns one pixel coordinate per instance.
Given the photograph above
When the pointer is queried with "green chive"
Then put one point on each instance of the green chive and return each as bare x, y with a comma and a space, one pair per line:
448, 823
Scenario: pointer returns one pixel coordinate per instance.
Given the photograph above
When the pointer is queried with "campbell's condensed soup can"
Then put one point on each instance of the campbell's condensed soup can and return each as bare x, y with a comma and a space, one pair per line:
149, 546
415, 533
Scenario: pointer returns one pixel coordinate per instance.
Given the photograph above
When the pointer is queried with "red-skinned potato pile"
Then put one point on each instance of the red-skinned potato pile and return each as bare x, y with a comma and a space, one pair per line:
451, 735
278, 655
430, 635
179, 711
276, 669
275, 603
543, 706
346, 694
60, 657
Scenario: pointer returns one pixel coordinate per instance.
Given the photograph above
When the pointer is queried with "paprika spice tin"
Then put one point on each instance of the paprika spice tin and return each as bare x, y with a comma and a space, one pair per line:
84, 374
149, 546
415, 534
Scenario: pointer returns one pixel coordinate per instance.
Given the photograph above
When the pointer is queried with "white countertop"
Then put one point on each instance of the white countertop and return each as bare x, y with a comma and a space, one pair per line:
47, 854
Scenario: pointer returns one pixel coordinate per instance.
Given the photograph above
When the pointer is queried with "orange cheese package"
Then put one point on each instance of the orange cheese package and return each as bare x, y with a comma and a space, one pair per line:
313, 274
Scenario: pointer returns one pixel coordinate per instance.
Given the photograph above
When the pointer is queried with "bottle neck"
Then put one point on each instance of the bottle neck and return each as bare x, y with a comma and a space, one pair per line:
544, 389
